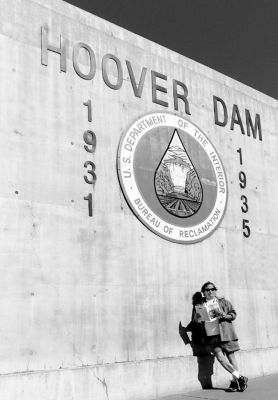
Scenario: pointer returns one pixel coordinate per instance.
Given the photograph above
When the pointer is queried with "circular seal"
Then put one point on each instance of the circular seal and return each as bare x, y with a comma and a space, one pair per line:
172, 177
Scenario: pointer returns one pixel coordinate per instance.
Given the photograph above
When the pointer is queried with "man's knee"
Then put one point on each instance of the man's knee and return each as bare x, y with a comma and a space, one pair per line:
231, 356
219, 355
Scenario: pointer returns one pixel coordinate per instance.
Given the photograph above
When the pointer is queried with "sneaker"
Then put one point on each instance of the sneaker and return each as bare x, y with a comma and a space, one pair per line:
234, 387
242, 382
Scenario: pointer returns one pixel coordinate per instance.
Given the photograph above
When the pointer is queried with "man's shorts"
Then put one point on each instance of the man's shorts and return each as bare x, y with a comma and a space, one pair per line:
214, 342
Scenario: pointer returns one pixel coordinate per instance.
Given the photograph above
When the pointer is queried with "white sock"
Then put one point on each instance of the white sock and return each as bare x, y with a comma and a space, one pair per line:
235, 374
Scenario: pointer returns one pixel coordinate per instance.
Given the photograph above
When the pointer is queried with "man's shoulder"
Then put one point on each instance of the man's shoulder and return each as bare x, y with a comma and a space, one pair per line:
223, 300
225, 303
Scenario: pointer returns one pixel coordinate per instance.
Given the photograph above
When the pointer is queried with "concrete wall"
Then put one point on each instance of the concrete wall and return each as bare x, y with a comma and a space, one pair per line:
90, 306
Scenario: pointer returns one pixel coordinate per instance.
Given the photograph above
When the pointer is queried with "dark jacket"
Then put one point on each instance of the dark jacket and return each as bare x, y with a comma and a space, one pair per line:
197, 341
198, 336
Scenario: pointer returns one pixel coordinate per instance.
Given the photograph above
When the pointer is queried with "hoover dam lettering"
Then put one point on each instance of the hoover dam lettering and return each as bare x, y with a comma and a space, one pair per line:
115, 80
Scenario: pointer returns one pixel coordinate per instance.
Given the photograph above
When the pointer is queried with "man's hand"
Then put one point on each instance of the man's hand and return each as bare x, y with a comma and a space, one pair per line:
224, 316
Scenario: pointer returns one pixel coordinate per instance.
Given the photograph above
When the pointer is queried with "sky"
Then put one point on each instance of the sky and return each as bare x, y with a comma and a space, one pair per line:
236, 37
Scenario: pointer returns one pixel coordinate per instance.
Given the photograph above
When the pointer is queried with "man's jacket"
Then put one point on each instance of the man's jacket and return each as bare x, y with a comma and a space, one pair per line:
227, 331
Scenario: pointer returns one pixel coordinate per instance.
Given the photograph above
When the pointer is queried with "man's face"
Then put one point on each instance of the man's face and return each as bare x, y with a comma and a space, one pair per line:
210, 292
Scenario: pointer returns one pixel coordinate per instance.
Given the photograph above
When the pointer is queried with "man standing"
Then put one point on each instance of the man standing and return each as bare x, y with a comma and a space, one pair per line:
220, 334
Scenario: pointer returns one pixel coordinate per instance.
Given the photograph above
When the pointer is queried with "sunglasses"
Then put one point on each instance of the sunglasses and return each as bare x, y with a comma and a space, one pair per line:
210, 289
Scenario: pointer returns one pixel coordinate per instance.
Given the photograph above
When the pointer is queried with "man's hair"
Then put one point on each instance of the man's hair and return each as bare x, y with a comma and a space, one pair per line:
206, 284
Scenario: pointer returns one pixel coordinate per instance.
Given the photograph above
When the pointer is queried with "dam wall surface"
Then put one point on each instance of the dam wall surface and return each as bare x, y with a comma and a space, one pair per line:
130, 175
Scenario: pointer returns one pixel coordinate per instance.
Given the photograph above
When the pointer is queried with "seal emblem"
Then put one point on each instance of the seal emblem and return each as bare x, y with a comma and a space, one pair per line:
177, 185
172, 177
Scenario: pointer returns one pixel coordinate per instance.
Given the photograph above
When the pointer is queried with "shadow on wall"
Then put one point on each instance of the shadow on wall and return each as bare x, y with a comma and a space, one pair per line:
204, 358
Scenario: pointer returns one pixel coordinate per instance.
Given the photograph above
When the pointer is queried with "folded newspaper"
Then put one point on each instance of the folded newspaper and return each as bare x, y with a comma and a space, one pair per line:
208, 311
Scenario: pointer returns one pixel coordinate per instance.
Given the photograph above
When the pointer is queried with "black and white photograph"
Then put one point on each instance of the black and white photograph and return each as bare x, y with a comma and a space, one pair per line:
139, 199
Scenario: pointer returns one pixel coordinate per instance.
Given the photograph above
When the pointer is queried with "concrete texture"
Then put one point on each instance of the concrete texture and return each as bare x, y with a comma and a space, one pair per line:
90, 306
264, 387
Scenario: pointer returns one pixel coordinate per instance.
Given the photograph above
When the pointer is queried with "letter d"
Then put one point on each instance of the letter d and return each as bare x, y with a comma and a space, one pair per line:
217, 100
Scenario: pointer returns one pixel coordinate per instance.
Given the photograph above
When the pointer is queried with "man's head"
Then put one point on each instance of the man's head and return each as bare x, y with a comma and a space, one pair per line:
209, 290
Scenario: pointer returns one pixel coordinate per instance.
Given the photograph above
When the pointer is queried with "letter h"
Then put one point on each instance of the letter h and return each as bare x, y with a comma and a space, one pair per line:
46, 46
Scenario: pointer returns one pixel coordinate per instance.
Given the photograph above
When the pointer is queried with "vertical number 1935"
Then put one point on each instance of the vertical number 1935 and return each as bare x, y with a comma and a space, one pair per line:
242, 178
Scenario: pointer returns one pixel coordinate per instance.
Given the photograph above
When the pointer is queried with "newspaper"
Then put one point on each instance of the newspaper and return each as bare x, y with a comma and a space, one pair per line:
208, 311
